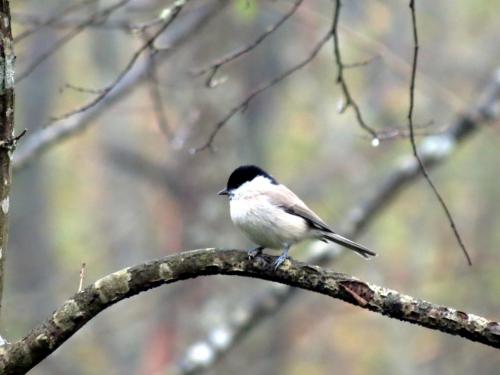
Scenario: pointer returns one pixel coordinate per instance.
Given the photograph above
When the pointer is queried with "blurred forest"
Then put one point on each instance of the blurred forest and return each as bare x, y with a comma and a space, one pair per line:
130, 187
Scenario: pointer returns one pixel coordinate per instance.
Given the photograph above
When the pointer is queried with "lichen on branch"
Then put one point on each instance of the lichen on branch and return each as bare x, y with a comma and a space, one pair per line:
24, 354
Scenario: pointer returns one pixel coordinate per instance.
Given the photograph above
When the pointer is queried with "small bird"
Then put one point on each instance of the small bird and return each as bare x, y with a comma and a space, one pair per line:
273, 217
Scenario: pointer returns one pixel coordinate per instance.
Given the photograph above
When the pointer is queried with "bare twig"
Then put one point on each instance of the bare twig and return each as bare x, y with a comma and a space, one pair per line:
216, 65
43, 340
52, 19
412, 135
84, 90
360, 63
82, 276
70, 35
70, 22
156, 99
172, 15
348, 99
419, 131
266, 85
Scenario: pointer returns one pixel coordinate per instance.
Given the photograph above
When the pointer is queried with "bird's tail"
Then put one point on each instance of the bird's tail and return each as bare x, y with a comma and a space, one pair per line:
360, 249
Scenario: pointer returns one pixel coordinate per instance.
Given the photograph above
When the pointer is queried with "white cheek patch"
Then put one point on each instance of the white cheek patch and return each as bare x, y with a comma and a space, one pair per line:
252, 188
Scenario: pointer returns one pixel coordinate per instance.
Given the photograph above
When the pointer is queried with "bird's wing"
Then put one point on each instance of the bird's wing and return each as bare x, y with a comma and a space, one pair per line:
286, 199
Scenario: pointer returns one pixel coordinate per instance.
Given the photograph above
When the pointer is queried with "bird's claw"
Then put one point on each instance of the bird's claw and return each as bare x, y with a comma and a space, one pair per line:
252, 253
279, 261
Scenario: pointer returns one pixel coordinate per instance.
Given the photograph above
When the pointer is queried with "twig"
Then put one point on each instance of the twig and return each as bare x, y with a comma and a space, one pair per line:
171, 17
156, 99
84, 90
10, 143
82, 276
412, 135
69, 23
419, 131
44, 339
66, 38
244, 103
361, 63
348, 99
216, 65
52, 19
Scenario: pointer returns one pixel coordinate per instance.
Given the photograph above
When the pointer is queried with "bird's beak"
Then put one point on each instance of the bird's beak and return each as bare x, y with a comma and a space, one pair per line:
223, 192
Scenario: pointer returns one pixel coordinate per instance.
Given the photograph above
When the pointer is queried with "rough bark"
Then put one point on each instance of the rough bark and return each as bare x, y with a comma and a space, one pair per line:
7, 141
24, 354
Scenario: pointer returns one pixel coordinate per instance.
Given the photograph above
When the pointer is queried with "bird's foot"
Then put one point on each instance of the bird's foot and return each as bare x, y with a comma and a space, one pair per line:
252, 253
279, 261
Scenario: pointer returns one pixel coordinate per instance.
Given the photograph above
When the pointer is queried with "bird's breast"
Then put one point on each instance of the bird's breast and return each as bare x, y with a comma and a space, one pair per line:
266, 224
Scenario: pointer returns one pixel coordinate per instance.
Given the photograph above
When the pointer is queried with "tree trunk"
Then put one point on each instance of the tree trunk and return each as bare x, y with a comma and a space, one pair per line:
7, 141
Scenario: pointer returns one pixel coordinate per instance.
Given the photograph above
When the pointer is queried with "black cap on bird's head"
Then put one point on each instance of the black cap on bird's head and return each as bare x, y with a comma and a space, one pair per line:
244, 174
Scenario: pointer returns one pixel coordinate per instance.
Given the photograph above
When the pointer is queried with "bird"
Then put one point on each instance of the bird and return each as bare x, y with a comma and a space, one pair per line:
274, 217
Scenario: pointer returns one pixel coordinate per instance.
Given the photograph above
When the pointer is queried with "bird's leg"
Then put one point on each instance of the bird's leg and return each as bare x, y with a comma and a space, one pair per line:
252, 253
279, 260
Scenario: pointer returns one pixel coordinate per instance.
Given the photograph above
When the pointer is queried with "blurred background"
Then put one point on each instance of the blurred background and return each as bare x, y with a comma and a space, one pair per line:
129, 187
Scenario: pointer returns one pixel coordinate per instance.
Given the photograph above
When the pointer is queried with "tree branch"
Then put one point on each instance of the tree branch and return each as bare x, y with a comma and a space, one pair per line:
24, 354
7, 138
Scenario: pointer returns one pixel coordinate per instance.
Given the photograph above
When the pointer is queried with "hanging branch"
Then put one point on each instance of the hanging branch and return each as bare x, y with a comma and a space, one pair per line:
412, 135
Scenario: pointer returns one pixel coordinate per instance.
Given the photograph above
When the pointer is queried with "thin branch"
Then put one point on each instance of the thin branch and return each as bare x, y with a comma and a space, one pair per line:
172, 15
420, 130
435, 150
348, 99
412, 135
216, 65
43, 340
156, 99
44, 139
124, 24
52, 19
70, 35
360, 63
81, 89
259, 90
7, 138
82, 276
